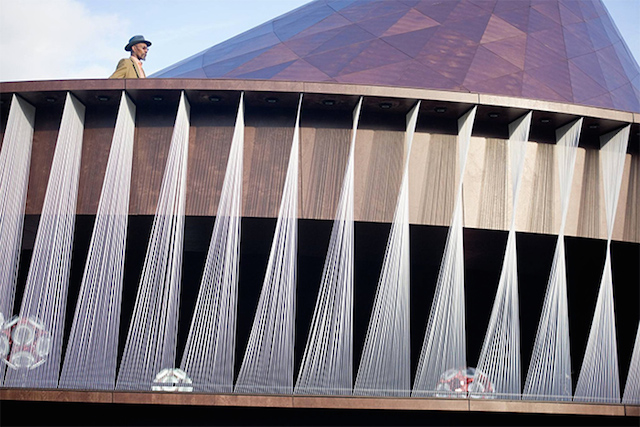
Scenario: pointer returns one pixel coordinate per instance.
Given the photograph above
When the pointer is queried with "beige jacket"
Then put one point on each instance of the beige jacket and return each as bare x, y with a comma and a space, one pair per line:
126, 69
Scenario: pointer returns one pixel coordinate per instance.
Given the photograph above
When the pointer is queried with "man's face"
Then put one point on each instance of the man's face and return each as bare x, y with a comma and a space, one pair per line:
140, 51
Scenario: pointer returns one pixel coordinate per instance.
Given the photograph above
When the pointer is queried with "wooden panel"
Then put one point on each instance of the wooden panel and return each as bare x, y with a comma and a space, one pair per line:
261, 401
44, 144
154, 128
545, 407
267, 148
323, 158
539, 199
591, 216
326, 402
381, 403
433, 177
56, 395
209, 144
631, 231
96, 145
486, 185
378, 171
495, 196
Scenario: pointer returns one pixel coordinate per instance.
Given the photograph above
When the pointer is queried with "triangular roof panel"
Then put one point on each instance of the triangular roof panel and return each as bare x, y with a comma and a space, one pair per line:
278, 54
380, 24
290, 24
510, 85
588, 87
438, 11
332, 62
555, 50
331, 22
413, 42
499, 29
488, 66
303, 46
377, 53
519, 18
550, 9
488, 5
410, 21
512, 49
301, 66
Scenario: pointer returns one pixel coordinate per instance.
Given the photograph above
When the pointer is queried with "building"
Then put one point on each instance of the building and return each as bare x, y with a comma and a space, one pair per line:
493, 61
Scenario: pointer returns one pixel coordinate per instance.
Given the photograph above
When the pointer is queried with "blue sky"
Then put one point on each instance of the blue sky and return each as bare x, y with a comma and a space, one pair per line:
63, 39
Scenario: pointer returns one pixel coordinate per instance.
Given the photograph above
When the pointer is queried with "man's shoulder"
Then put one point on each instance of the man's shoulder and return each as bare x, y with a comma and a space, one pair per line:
123, 69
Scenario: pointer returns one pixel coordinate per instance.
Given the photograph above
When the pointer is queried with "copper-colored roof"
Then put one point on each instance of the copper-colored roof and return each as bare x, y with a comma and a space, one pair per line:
555, 50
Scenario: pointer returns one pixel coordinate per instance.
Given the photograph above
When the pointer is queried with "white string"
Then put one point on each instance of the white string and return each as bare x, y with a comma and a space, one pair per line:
549, 376
39, 327
15, 159
151, 342
500, 355
267, 366
632, 388
385, 366
90, 361
209, 354
599, 380
327, 363
444, 345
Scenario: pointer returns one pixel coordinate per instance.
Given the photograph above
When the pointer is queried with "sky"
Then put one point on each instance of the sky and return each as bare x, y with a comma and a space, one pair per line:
72, 39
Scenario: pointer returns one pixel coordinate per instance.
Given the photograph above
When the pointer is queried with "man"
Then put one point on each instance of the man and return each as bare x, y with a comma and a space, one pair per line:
131, 68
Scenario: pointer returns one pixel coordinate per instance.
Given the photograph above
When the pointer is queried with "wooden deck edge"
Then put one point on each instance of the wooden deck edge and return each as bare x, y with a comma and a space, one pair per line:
320, 402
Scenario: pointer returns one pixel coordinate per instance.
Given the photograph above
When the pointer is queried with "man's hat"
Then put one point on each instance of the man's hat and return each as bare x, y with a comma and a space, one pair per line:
134, 41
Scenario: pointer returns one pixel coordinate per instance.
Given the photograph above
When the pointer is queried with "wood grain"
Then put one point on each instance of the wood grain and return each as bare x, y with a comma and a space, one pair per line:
323, 159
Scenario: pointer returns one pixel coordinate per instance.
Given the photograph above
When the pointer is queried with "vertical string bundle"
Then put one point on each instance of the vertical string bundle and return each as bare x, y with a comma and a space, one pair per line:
15, 159
37, 335
549, 375
328, 357
599, 380
267, 366
151, 341
631, 394
444, 341
90, 361
209, 353
500, 355
385, 366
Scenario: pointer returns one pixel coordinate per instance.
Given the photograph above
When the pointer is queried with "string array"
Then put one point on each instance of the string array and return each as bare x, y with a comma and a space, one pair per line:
37, 335
90, 361
15, 159
599, 380
148, 363
385, 366
500, 355
549, 375
150, 348
327, 363
209, 354
267, 366
444, 345
631, 394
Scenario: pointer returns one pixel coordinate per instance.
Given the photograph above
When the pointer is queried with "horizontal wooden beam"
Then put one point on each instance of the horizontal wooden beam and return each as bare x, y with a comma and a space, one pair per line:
321, 402
320, 88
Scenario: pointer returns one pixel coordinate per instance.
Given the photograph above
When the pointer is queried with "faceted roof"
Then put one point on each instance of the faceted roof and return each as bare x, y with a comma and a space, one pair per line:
555, 50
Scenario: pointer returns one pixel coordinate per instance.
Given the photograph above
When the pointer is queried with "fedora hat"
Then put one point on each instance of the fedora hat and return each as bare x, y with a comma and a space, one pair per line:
134, 41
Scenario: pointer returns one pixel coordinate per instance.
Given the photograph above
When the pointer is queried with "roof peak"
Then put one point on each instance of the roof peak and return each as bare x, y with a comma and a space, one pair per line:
554, 50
